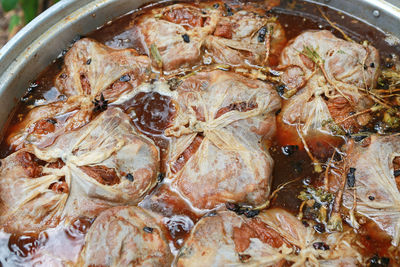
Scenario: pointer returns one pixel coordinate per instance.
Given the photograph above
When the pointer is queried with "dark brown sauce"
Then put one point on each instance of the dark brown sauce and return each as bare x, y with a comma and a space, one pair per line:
151, 113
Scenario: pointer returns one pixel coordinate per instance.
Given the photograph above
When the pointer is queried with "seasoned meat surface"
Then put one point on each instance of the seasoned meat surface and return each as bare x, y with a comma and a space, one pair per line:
376, 186
126, 236
216, 153
104, 164
327, 76
274, 238
92, 72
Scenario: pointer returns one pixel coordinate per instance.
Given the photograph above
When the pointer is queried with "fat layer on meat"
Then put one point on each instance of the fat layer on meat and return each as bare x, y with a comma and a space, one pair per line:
216, 152
103, 164
126, 236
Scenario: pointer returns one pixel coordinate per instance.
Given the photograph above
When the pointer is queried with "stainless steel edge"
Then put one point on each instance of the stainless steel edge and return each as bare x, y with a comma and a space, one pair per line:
39, 43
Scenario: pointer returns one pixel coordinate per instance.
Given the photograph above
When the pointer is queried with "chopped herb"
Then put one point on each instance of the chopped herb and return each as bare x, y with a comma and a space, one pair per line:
389, 65
129, 177
89, 61
101, 104
351, 179
148, 229
156, 55
186, 38
249, 213
333, 127
312, 54
261, 34
125, 78
321, 246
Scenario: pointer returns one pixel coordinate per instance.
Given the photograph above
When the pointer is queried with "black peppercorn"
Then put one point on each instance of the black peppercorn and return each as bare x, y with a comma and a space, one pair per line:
129, 177
186, 38
148, 229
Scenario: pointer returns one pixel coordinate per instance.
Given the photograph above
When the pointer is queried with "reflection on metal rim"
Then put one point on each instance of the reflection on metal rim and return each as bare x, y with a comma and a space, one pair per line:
36, 45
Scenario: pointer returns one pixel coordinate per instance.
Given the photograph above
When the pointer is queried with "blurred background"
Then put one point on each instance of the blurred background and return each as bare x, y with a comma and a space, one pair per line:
14, 14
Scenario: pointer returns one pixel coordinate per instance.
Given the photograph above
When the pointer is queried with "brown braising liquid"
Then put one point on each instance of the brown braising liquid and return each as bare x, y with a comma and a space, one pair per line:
153, 113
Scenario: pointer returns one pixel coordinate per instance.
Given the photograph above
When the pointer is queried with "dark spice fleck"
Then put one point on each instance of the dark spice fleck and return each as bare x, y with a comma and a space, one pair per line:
351, 179
377, 261
372, 65
280, 89
63, 76
186, 38
261, 34
148, 229
244, 257
89, 61
129, 177
321, 246
251, 213
52, 121
396, 173
305, 223
211, 214
33, 86
389, 65
319, 228
359, 138
228, 9
289, 149
216, 5
125, 78
160, 177
372, 198
100, 104
365, 67
232, 206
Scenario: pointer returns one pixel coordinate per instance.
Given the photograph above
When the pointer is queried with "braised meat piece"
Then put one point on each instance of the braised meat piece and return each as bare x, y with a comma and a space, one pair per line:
274, 238
376, 183
126, 236
246, 38
326, 78
173, 36
103, 164
93, 77
176, 36
216, 154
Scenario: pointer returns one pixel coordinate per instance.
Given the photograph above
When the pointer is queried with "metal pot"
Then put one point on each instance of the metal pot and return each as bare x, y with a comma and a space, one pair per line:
39, 43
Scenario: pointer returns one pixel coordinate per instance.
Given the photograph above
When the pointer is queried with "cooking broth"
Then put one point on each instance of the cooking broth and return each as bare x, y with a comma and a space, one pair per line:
152, 113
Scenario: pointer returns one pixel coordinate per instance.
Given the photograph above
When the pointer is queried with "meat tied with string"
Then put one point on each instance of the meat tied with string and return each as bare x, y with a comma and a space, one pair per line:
176, 36
274, 238
327, 81
103, 164
246, 38
126, 236
371, 183
216, 153
93, 76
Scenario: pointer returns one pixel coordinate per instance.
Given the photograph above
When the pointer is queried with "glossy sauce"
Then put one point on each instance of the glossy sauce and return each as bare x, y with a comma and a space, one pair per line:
152, 113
